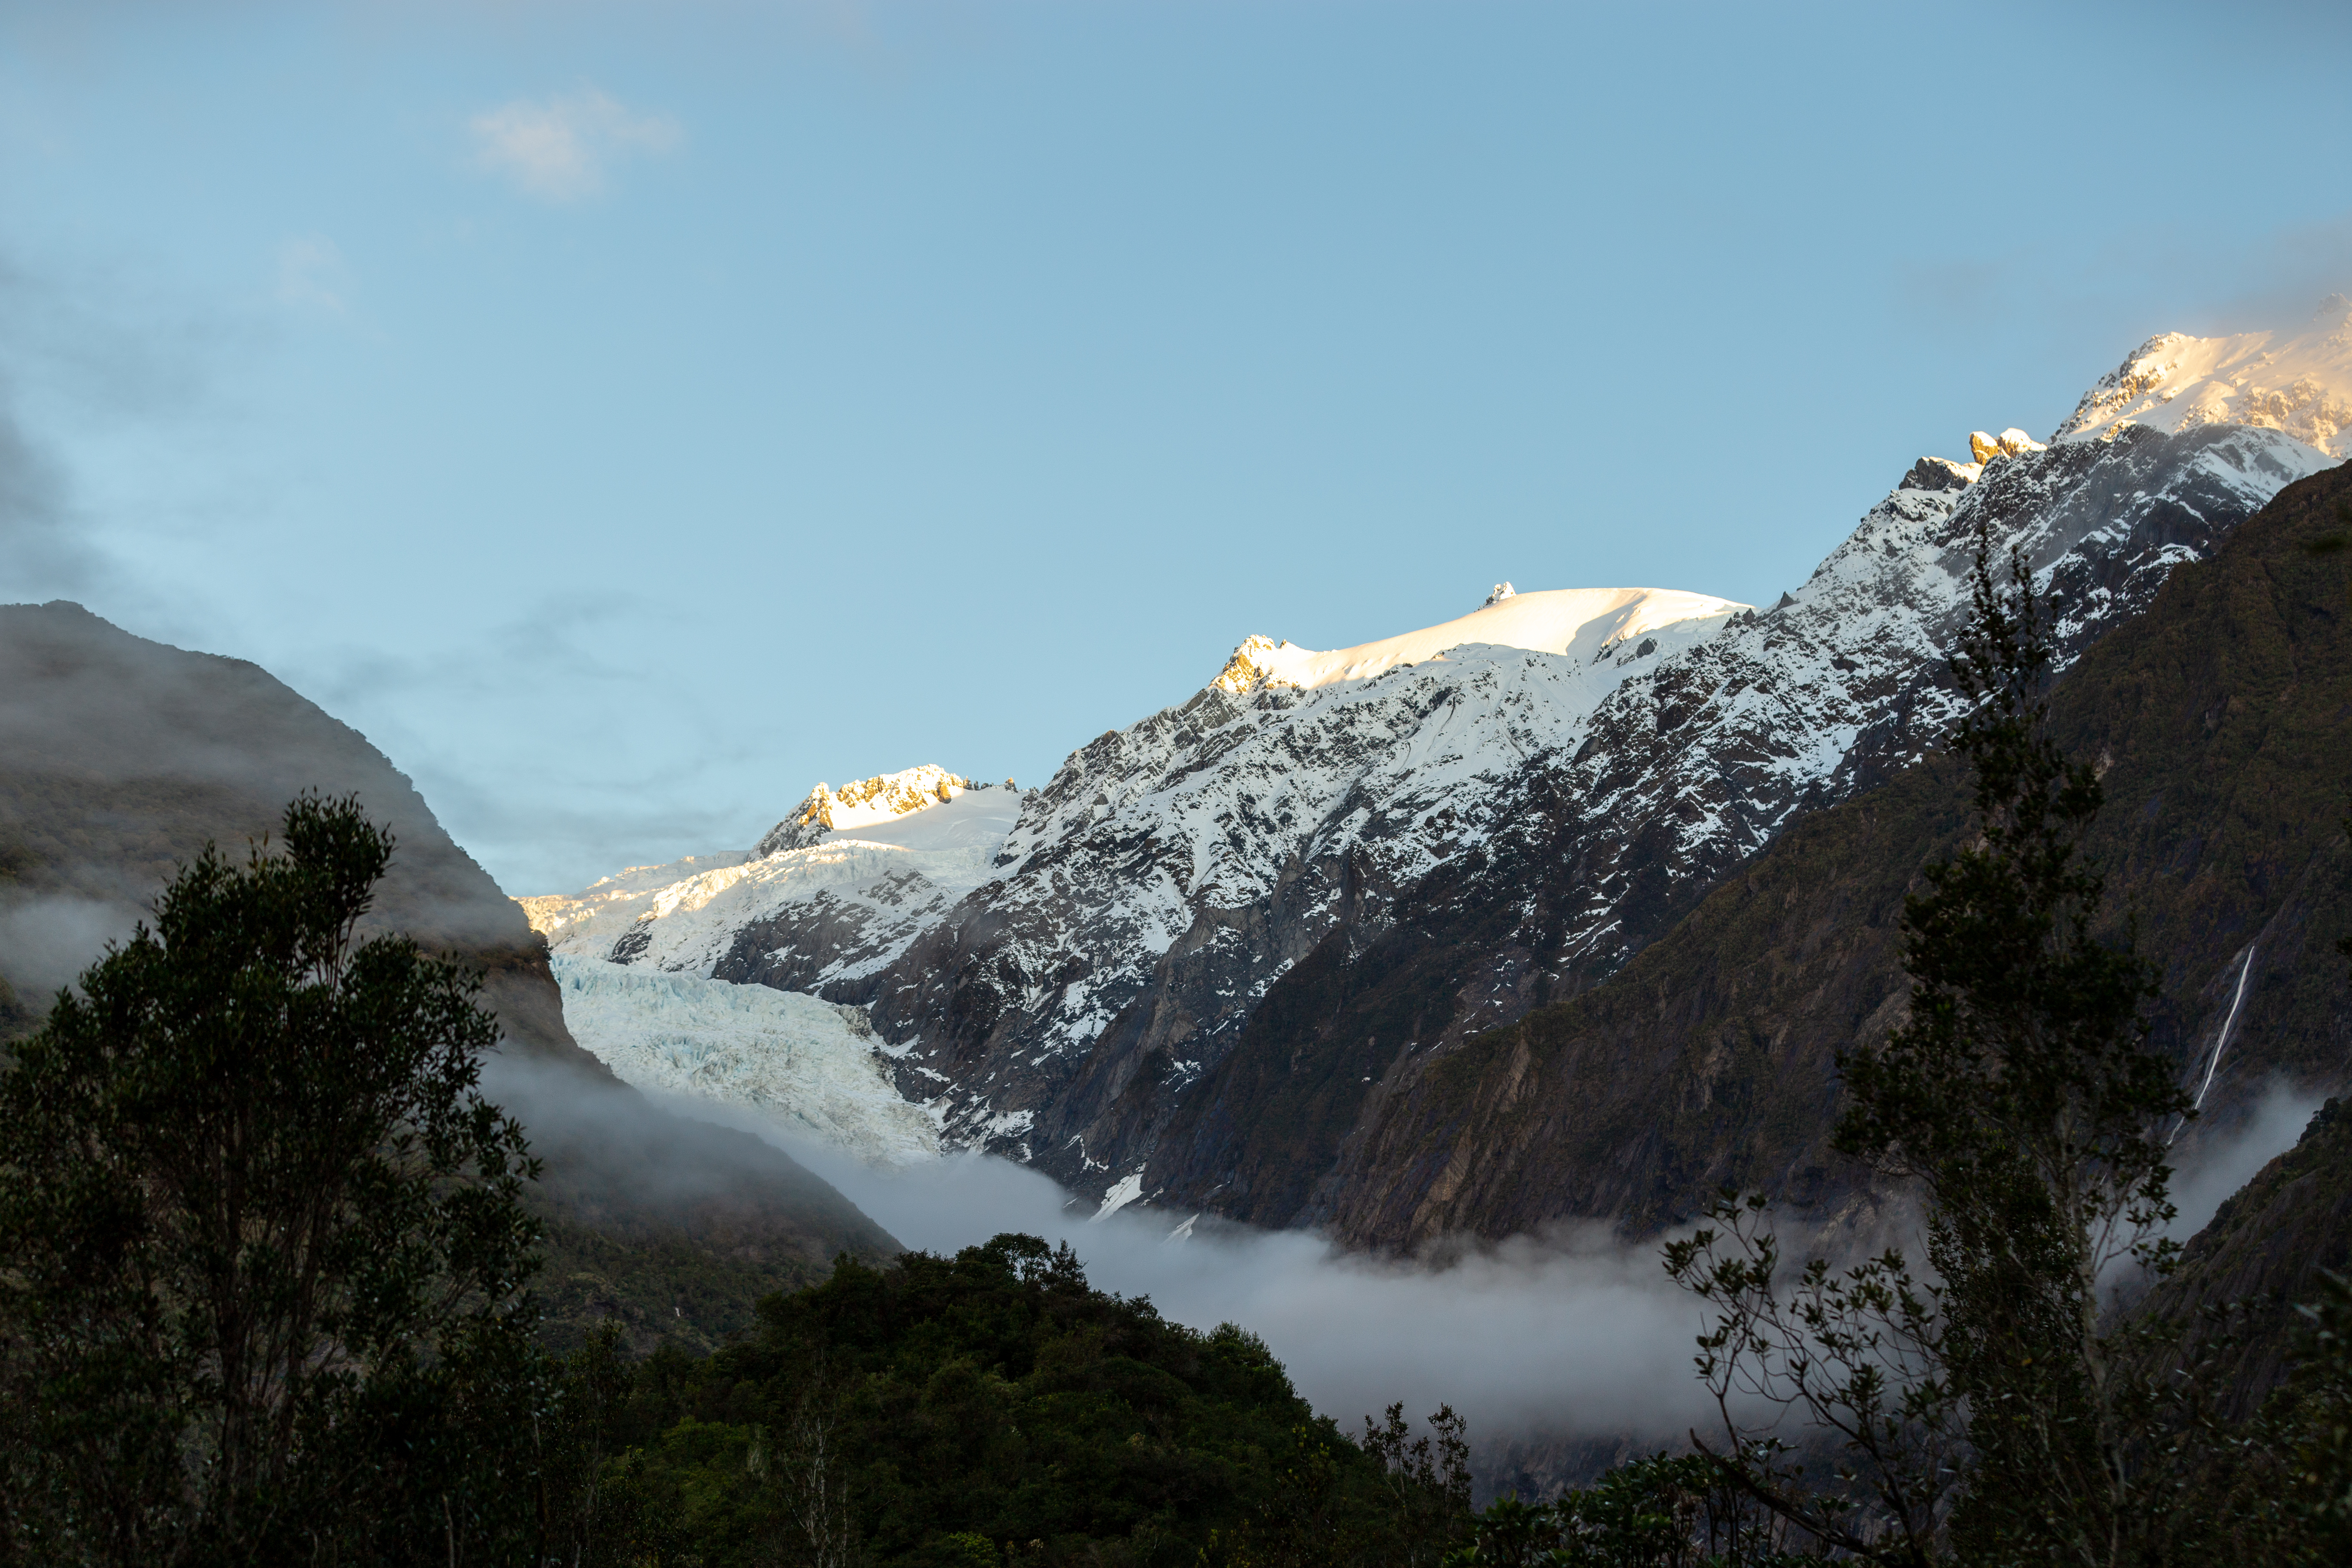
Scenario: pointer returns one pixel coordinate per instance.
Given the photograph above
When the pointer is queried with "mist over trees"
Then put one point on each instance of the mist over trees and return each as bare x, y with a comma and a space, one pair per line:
2000, 1406
265, 1296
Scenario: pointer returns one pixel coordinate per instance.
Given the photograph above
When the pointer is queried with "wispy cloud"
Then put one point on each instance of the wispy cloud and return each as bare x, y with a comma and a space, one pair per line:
41, 552
557, 148
94, 349
313, 275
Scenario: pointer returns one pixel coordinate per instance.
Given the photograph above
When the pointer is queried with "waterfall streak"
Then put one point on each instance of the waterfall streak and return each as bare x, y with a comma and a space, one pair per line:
2245, 967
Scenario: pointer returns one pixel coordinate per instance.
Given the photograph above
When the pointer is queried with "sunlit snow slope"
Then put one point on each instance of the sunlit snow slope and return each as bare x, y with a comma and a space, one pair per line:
859, 894
2299, 383
1580, 623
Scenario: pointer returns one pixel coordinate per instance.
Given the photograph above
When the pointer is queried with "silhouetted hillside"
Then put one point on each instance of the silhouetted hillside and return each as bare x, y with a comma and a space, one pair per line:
120, 758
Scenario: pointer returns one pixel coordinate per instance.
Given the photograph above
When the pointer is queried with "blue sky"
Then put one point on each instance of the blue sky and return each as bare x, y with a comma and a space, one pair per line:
629, 415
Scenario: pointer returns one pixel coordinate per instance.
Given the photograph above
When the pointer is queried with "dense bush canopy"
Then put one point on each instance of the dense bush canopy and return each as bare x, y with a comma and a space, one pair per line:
954, 1410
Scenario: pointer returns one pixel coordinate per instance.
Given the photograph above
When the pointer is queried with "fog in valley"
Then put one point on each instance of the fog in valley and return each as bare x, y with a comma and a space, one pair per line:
2208, 1169
1575, 1333
1572, 1335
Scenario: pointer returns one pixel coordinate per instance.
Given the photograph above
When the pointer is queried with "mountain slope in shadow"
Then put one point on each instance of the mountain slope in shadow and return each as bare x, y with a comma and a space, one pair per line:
2221, 720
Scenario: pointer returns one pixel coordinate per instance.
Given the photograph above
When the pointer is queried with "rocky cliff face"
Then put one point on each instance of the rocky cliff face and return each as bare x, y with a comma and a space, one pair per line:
2222, 718
120, 758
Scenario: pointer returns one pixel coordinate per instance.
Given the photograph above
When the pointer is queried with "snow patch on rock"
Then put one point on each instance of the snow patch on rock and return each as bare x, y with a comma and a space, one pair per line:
869, 803
2010, 443
1123, 1191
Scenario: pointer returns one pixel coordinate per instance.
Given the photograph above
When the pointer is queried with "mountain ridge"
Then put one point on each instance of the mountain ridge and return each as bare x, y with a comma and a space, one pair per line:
2220, 721
1080, 1001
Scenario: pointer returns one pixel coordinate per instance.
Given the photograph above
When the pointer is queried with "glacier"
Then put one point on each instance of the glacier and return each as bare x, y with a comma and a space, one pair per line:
811, 1067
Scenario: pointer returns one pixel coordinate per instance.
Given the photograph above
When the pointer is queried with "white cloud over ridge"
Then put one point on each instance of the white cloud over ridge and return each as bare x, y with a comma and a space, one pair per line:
556, 149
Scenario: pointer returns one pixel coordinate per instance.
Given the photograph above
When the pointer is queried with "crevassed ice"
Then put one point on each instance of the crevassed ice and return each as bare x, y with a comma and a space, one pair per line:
802, 1061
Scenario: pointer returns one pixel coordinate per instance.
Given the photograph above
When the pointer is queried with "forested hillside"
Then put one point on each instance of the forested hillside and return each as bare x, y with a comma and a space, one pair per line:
954, 1412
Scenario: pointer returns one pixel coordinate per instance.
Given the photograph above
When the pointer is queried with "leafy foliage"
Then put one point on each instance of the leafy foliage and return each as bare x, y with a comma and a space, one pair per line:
1664, 1512
2316, 1422
2023, 1098
262, 1291
1859, 1354
990, 1407
1993, 1409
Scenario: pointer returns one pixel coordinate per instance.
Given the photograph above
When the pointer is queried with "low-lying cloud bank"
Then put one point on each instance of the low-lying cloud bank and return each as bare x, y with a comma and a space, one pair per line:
1572, 1333
47, 941
2221, 1163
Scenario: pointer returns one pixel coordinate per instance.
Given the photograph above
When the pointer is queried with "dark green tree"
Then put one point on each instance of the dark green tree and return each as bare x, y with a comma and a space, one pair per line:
1427, 1482
1994, 1411
2024, 1099
2310, 1437
1664, 1512
263, 1264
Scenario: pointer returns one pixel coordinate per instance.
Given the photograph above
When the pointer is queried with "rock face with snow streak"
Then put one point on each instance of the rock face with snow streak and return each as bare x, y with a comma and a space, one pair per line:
1153, 902
814, 1067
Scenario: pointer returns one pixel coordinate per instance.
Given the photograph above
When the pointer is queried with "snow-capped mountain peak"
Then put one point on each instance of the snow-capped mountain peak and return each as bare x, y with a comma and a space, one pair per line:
1582, 623
2299, 383
867, 803
1061, 974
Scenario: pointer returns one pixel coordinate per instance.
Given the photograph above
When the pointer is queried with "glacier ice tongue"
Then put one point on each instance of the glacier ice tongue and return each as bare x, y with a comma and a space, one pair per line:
810, 1065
